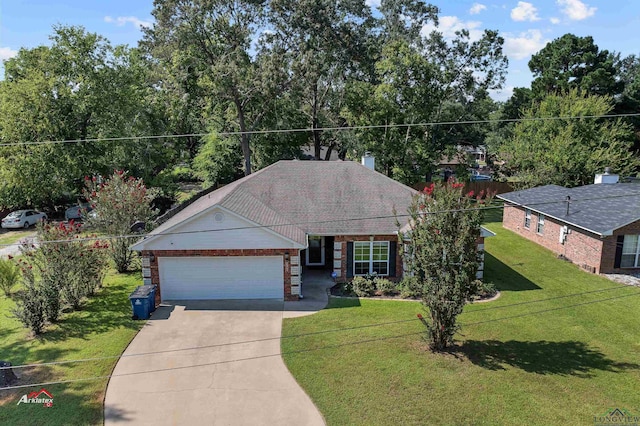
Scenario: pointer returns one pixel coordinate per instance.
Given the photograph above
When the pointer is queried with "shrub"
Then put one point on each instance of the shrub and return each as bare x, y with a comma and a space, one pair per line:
410, 288
29, 308
347, 287
385, 286
63, 268
363, 287
487, 290
9, 275
119, 202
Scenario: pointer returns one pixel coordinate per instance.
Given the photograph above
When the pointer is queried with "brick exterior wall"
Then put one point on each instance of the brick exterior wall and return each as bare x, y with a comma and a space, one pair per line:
589, 251
155, 274
607, 264
343, 239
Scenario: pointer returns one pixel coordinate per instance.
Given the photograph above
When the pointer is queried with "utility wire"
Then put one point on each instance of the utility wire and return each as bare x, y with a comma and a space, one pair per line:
277, 225
311, 129
339, 345
291, 336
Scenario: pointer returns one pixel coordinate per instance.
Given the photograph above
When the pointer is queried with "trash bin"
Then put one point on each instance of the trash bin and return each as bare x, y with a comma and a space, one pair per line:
140, 303
152, 295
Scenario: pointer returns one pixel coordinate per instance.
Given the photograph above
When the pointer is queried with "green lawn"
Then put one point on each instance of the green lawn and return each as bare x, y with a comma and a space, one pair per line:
104, 327
514, 363
10, 237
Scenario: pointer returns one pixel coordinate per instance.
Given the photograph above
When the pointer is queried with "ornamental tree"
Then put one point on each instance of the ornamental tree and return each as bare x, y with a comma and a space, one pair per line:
443, 232
119, 202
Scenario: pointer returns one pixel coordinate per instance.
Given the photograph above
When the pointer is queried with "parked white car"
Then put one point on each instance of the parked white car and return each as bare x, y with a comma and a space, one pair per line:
22, 219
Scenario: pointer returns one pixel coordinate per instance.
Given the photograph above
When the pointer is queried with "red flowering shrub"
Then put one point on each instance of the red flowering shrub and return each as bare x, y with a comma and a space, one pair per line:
119, 202
442, 259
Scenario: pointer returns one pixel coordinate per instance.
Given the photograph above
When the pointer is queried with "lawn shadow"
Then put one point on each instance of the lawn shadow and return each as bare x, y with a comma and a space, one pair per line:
504, 277
346, 302
109, 308
572, 358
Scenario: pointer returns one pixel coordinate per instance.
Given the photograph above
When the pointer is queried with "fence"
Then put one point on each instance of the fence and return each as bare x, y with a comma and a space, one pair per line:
476, 187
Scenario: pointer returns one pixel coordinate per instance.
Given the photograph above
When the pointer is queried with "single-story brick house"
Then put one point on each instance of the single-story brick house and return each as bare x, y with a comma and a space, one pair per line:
594, 226
253, 238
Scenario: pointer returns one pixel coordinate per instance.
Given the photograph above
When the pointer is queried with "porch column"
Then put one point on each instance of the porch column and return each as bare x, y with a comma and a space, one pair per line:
337, 259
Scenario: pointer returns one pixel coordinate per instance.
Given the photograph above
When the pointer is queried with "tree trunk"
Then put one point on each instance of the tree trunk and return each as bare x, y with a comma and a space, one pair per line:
244, 137
316, 133
327, 156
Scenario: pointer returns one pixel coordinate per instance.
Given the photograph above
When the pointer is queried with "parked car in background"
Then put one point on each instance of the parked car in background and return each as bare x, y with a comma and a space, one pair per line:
76, 212
476, 176
22, 219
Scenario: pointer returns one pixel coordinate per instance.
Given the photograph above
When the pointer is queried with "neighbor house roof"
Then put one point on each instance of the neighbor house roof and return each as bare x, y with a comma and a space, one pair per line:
600, 208
296, 198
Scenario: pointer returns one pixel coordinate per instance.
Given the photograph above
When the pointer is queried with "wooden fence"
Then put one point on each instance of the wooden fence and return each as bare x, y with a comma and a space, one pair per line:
476, 187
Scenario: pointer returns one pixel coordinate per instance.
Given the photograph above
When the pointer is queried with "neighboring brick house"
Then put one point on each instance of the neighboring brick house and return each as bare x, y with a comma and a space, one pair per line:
253, 238
597, 226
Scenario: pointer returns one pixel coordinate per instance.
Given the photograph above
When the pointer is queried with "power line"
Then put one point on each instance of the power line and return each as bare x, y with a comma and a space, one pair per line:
312, 129
291, 336
335, 346
237, 228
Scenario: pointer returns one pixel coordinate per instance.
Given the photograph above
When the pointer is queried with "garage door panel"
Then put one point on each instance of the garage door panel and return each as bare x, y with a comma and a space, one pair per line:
232, 277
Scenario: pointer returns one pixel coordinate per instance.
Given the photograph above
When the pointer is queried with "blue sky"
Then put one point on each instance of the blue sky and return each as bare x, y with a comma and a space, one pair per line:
526, 25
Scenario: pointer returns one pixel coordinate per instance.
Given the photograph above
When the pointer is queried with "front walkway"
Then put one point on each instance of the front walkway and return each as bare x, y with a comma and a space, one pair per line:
315, 286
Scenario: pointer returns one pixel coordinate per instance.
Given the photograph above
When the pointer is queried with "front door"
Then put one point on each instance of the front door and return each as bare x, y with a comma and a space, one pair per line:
315, 252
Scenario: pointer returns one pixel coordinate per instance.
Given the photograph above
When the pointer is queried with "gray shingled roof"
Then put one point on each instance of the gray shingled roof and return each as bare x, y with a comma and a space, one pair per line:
310, 197
600, 208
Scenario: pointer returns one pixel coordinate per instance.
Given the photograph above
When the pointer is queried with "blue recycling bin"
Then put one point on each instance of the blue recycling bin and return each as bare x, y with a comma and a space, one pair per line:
151, 289
140, 304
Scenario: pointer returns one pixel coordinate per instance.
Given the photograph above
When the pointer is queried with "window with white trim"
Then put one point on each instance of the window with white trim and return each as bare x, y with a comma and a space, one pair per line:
630, 252
371, 257
540, 227
527, 218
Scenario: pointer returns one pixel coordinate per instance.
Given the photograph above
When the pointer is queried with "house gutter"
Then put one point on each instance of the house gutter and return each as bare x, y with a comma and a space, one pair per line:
600, 234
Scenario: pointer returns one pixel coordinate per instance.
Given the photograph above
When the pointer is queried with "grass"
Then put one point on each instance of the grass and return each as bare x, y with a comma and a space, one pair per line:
102, 328
11, 237
550, 350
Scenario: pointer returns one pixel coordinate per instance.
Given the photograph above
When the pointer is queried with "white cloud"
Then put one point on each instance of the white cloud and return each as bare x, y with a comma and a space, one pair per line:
477, 8
576, 10
448, 25
524, 12
123, 20
373, 3
524, 45
554, 20
7, 53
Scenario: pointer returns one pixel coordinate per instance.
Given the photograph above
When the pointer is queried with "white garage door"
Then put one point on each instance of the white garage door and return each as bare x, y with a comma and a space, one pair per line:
245, 277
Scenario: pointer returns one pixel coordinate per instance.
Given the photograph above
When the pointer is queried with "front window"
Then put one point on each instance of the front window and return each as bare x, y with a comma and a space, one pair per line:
371, 257
527, 218
630, 249
540, 228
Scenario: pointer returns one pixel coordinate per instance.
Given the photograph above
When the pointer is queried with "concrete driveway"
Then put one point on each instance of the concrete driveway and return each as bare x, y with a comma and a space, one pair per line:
214, 363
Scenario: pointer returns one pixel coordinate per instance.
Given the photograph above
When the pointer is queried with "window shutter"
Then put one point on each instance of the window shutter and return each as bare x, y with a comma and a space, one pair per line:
350, 259
392, 258
618, 258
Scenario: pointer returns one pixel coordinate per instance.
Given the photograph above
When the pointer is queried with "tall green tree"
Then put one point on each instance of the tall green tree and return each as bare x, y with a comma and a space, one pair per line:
572, 62
79, 88
568, 152
425, 80
322, 43
209, 45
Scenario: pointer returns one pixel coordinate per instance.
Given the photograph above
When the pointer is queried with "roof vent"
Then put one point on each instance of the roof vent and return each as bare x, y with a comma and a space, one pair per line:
607, 177
369, 161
